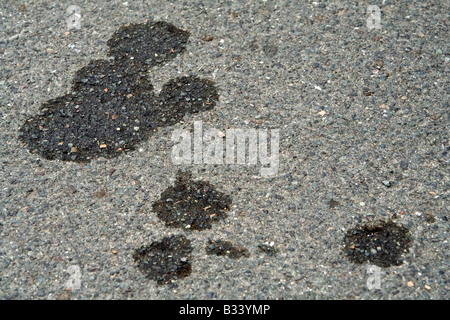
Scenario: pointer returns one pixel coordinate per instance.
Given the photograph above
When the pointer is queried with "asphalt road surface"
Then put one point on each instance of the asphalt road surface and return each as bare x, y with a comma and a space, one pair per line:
118, 179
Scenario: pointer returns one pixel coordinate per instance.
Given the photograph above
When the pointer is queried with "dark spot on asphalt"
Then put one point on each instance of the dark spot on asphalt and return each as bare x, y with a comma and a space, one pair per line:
111, 106
333, 203
226, 248
191, 204
72, 189
166, 260
380, 243
429, 217
268, 249
100, 193
377, 64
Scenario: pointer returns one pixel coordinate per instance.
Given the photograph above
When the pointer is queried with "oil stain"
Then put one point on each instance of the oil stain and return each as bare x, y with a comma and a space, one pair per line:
226, 248
381, 243
166, 260
193, 205
111, 106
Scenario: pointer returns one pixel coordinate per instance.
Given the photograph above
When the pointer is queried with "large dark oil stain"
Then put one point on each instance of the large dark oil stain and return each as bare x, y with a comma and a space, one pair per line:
193, 205
226, 248
111, 106
166, 260
381, 243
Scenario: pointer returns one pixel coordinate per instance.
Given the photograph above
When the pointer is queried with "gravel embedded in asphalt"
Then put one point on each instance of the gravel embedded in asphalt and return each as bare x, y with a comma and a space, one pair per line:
363, 120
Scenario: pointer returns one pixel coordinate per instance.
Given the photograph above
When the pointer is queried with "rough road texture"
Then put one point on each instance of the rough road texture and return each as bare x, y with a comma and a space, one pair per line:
363, 119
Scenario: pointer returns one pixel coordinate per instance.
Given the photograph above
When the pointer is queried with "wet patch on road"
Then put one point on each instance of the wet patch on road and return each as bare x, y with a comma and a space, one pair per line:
166, 260
193, 205
226, 248
111, 106
381, 243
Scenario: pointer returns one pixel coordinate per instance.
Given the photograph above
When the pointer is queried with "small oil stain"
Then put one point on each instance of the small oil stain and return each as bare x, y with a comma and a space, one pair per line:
381, 243
166, 260
193, 205
226, 248
333, 203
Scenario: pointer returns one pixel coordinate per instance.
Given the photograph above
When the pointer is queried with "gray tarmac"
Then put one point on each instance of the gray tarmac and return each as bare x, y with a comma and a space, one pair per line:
363, 120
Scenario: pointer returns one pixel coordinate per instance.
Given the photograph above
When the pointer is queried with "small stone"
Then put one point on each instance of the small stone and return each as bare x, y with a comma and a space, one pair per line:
208, 38
378, 63
163, 260
410, 284
133, 50
72, 189
100, 194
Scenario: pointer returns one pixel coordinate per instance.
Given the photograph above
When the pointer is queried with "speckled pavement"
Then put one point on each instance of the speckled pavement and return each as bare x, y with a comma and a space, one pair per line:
360, 104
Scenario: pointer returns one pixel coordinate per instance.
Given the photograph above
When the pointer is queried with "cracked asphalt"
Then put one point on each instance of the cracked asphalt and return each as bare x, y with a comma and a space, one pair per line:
363, 120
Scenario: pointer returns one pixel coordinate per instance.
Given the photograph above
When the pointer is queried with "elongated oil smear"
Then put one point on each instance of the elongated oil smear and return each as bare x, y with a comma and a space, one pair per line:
226, 248
111, 106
